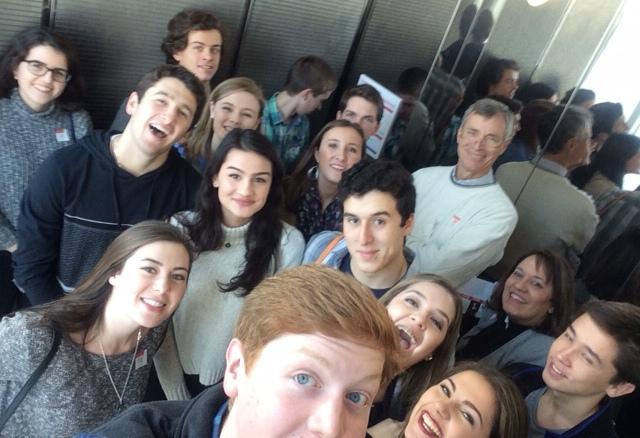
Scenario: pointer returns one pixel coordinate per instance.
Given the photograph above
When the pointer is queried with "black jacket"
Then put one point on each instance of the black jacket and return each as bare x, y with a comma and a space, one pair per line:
176, 419
78, 201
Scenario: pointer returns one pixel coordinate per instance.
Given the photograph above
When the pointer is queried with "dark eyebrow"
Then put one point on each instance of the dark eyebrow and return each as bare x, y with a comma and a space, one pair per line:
471, 405
589, 350
165, 94
466, 402
377, 213
149, 259
453, 385
242, 171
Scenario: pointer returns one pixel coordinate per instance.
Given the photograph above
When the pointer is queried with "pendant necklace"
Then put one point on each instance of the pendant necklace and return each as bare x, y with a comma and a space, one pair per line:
106, 365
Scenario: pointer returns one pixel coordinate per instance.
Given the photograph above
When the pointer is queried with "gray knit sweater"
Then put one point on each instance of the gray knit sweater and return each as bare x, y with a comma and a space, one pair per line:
203, 324
74, 393
26, 139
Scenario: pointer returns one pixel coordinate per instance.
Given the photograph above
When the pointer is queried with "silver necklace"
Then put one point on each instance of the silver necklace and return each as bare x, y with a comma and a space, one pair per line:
106, 366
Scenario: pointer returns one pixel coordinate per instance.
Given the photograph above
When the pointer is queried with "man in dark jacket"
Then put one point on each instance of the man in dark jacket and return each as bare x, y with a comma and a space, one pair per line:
596, 359
86, 194
310, 351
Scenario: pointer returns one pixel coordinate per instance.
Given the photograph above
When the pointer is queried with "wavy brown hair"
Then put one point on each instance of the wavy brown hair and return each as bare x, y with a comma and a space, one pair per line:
84, 307
510, 417
296, 184
428, 372
560, 274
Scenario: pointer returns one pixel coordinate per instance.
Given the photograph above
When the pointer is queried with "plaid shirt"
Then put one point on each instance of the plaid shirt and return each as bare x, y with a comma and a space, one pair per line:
311, 219
289, 139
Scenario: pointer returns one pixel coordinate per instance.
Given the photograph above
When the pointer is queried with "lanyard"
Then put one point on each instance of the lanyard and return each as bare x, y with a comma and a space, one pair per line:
217, 420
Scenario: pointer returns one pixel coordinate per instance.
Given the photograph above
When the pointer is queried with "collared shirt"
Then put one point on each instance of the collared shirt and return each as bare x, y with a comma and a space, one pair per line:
551, 166
289, 138
485, 180
311, 219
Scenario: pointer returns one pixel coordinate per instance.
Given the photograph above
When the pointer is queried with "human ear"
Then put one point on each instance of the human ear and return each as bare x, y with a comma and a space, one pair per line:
620, 389
306, 93
132, 103
338, 115
214, 181
235, 369
113, 280
408, 224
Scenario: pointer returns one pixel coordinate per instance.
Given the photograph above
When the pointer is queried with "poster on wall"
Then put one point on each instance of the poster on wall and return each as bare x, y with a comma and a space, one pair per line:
391, 106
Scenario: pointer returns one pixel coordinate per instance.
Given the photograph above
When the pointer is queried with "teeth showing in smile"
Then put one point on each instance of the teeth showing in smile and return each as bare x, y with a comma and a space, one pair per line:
557, 371
428, 424
157, 131
518, 298
406, 338
152, 303
337, 167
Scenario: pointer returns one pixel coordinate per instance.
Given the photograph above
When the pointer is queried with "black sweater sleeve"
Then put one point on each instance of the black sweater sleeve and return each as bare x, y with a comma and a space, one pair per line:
39, 228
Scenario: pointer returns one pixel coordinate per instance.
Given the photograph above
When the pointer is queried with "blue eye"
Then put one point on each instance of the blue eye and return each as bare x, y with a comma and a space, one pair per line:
357, 398
304, 379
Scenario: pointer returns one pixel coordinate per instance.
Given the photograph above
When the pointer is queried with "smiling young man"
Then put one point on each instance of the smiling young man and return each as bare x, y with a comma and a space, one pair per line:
378, 201
463, 218
86, 194
193, 41
310, 351
363, 106
595, 360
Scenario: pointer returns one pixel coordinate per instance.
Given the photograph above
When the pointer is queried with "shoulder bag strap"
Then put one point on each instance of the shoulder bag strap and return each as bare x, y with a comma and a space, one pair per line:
328, 249
31, 381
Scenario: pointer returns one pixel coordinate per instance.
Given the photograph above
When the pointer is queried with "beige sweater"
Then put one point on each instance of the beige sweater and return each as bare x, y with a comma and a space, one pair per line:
202, 326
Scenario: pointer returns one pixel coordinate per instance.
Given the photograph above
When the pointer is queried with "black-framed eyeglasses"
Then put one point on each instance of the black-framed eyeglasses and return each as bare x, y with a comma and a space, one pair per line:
40, 69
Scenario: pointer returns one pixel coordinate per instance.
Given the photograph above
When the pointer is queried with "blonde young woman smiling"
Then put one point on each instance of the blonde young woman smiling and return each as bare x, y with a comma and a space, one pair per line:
235, 103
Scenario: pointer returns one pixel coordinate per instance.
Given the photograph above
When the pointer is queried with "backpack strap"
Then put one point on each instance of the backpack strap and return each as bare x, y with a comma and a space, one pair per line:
31, 381
325, 252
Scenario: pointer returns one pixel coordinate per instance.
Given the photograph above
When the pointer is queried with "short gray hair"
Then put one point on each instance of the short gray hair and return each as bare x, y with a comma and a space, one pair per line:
490, 108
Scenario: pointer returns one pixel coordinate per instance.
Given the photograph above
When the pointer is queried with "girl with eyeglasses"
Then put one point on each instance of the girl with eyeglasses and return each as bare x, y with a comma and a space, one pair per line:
40, 111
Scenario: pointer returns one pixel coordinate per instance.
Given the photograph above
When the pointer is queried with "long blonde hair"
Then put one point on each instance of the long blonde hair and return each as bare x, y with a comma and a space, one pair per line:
199, 139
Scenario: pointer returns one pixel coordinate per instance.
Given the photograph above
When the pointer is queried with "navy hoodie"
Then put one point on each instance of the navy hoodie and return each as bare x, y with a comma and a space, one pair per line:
78, 201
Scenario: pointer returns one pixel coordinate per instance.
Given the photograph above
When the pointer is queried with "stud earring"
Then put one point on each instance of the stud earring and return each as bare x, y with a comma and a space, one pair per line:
427, 359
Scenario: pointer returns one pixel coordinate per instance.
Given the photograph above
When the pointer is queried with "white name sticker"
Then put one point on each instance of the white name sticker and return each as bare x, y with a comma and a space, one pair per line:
62, 134
141, 359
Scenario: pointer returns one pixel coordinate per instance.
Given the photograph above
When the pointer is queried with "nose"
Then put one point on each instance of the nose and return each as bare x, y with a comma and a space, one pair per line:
328, 418
442, 409
565, 355
234, 117
419, 320
365, 233
48, 76
245, 187
161, 284
207, 54
341, 154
